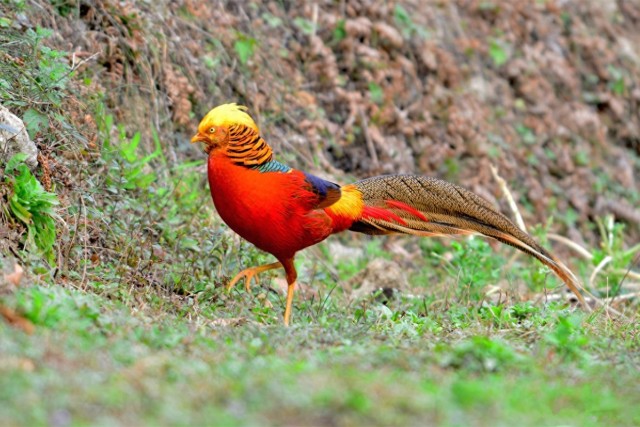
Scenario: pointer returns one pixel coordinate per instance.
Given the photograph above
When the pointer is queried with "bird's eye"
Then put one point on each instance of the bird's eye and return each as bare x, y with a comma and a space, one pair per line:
212, 130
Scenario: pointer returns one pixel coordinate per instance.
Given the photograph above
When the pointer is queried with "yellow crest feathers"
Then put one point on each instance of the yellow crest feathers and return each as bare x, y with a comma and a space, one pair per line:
227, 115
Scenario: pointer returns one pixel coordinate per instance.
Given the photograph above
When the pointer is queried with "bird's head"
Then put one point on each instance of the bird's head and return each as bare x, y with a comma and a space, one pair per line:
213, 130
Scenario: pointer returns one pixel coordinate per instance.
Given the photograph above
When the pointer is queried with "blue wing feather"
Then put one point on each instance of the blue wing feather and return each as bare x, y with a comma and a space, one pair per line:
327, 191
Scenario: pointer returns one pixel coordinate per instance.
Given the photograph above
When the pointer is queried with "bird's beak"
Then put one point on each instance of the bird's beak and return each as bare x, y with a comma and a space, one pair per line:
198, 138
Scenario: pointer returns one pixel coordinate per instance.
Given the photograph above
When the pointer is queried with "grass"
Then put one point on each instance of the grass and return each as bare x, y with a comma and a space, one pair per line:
93, 360
149, 335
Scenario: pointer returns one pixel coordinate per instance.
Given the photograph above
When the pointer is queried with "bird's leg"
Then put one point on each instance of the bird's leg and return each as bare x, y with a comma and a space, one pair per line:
290, 269
248, 274
287, 311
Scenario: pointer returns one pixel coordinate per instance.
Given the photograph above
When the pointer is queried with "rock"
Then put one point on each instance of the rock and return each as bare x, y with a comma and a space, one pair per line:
14, 138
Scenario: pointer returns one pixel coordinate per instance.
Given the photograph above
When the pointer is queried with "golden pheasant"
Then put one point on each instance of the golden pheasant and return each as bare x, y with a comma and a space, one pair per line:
282, 210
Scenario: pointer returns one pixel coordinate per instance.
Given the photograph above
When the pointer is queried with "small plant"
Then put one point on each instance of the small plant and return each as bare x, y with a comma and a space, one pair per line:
475, 265
40, 306
244, 47
481, 353
406, 24
48, 73
128, 169
376, 93
304, 25
339, 32
612, 253
32, 205
617, 83
499, 52
568, 338
527, 134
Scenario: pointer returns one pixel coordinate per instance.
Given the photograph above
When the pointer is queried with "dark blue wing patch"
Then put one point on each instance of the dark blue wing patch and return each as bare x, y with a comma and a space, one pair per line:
327, 191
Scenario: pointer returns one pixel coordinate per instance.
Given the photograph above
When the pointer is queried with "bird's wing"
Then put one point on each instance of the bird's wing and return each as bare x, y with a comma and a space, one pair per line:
328, 193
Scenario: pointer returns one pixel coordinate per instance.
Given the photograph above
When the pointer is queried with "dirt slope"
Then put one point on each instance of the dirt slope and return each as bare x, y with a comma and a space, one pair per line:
546, 91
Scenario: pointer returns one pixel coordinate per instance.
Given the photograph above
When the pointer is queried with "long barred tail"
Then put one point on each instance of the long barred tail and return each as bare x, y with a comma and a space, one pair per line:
425, 206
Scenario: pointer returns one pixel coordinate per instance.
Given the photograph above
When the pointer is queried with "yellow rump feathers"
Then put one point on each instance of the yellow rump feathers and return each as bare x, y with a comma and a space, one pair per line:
227, 115
350, 204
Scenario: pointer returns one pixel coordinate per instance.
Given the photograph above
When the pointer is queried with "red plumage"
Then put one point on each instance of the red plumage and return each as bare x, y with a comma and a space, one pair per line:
274, 211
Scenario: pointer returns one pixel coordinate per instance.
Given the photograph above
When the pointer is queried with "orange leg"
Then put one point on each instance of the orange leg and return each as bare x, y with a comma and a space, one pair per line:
287, 311
248, 274
290, 269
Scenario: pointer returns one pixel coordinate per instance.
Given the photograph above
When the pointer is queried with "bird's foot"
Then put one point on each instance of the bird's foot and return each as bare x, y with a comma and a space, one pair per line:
249, 273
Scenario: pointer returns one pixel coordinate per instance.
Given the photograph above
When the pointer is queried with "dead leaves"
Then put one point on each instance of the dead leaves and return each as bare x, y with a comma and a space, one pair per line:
14, 277
17, 320
10, 280
179, 90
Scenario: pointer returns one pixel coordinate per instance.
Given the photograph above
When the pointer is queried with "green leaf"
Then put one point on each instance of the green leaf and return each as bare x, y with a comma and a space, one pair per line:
244, 47
339, 32
402, 16
406, 25
271, 20
19, 211
44, 33
305, 25
158, 145
30, 204
527, 134
4, 84
616, 83
14, 162
498, 52
35, 121
376, 93
128, 149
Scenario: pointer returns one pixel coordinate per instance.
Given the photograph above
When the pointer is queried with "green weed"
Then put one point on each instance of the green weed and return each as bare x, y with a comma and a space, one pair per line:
37, 75
612, 256
32, 205
480, 353
475, 266
304, 25
244, 47
568, 338
499, 51
376, 93
406, 24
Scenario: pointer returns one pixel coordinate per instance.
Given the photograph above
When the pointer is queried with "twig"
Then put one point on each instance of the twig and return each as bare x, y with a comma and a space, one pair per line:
65, 262
367, 137
573, 245
627, 274
599, 303
75, 66
86, 238
606, 260
631, 295
314, 20
507, 194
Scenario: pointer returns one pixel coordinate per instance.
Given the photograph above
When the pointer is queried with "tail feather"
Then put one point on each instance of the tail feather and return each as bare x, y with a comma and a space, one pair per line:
427, 206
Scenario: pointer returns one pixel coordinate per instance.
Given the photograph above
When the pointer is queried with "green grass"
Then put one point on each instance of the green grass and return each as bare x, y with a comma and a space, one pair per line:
147, 334
93, 360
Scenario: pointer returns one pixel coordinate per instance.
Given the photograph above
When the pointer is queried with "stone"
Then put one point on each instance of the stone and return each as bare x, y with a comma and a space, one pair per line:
14, 139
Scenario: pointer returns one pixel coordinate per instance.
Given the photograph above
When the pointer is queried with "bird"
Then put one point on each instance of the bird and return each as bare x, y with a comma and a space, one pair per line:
282, 210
